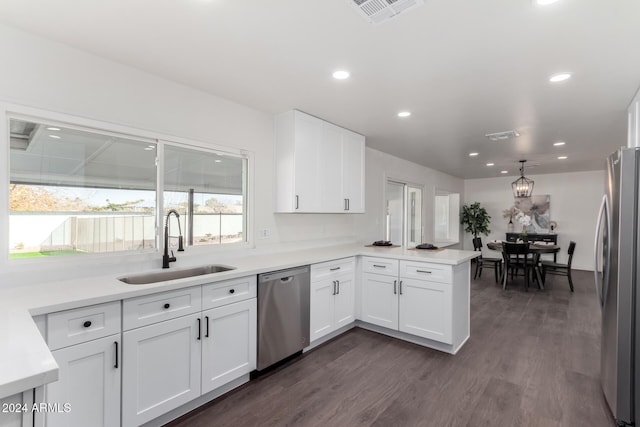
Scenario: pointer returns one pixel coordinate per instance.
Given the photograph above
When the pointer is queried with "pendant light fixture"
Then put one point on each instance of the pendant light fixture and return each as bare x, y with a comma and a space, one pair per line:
523, 186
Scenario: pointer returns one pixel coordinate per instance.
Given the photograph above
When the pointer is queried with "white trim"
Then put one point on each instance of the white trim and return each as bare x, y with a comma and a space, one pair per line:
17, 111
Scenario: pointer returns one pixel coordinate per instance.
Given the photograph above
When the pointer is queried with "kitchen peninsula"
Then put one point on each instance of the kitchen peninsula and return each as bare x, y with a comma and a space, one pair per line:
419, 296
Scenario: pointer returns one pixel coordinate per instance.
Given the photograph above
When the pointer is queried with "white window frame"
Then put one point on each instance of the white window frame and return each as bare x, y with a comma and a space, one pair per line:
8, 111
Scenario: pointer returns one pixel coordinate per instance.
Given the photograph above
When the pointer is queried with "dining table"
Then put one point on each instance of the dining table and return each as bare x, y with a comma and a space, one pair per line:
537, 249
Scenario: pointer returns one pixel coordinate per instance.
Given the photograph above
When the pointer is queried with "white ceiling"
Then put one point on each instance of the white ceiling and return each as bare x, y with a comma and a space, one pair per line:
464, 68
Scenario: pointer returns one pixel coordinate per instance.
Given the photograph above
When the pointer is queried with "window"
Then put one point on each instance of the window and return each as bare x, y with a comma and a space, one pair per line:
446, 222
207, 190
80, 191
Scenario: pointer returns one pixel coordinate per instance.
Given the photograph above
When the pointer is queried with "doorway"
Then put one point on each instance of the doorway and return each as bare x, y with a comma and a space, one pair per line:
403, 213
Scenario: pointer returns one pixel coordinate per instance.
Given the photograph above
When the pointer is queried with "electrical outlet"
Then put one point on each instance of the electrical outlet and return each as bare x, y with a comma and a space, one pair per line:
264, 233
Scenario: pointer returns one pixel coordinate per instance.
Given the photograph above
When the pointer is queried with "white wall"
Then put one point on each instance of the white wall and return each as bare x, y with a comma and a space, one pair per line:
575, 199
42, 74
381, 166
49, 76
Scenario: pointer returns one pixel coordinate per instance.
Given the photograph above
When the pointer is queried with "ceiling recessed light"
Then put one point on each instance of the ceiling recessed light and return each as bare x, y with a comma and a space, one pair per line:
559, 143
341, 75
53, 129
218, 161
545, 2
404, 113
148, 148
562, 157
473, 154
504, 171
560, 77
54, 136
490, 164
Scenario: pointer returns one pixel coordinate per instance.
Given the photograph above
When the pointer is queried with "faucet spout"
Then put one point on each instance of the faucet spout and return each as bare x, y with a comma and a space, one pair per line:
166, 259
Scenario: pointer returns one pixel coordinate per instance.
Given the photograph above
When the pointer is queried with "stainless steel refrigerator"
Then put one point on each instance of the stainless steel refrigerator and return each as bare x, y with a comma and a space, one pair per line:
617, 247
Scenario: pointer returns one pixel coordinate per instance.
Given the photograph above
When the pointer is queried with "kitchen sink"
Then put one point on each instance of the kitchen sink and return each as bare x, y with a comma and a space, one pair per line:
163, 276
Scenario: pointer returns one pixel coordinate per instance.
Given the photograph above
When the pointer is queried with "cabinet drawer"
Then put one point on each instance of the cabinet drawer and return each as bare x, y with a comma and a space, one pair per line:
386, 266
70, 327
426, 271
222, 293
148, 309
328, 269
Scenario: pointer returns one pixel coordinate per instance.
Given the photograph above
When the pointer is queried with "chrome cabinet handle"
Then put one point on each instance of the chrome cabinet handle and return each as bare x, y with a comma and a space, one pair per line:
334, 287
395, 283
297, 202
379, 266
338, 282
424, 271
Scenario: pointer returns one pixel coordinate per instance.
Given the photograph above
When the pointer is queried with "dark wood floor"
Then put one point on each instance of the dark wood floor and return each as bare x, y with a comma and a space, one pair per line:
532, 360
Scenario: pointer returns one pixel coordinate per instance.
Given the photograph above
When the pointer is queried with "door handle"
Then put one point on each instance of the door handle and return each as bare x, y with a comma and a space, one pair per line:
334, 287
400, 287
206, 334
297, 200
602, 214
116, 364
346, 204
199, 328
338, 283
395, 283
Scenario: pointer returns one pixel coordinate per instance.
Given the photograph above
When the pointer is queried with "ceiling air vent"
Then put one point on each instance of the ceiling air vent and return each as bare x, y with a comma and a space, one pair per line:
378, 11
503, 136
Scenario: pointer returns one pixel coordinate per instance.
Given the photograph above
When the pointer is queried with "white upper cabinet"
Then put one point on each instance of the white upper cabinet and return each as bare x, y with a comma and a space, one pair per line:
319, 166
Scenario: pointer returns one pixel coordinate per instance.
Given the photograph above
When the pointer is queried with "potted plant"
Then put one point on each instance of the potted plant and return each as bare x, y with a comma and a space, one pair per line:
475, 219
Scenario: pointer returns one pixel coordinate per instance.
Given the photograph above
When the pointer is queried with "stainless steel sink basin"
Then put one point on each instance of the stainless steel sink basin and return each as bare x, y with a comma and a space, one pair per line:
163, 276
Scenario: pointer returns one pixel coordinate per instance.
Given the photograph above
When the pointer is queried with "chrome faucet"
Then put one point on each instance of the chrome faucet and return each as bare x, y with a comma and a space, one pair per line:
166, 259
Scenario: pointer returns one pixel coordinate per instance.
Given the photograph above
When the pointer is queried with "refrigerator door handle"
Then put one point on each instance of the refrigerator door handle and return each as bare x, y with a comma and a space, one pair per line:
604, 213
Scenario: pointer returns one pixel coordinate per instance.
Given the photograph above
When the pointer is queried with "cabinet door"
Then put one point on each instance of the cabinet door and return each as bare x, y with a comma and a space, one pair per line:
161, 368
380, 300
16, 410
353, 171
321, 308
89, 382
330, 172
308, 138
344, 302
228, 343
425, 309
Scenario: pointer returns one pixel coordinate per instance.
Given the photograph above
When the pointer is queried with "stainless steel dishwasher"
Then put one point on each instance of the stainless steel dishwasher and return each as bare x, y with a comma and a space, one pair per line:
283, 314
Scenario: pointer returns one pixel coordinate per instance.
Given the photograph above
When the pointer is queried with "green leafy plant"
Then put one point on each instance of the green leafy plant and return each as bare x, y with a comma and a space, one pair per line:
475, 219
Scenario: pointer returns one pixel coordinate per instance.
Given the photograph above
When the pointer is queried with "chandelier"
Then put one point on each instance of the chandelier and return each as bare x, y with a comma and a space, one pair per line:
523, 186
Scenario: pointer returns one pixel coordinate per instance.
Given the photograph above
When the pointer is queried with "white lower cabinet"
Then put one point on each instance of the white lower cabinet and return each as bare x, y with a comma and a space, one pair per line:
87, 392
172, 362
393, 298
332, 296
425, 309
161, 368
380, 300
15, 411
229, 343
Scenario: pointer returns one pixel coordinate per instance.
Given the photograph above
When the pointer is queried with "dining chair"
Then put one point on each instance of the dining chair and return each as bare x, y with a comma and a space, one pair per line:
516, 256
482, 261
559, 269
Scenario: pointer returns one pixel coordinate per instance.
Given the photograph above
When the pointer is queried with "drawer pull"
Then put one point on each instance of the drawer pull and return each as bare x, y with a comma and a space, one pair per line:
167, 305
116, 364
231, 291
379, 266
334, 269
87, 323
424, 271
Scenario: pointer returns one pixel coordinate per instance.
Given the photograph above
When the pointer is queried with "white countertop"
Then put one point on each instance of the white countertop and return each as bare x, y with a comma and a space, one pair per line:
25, 360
